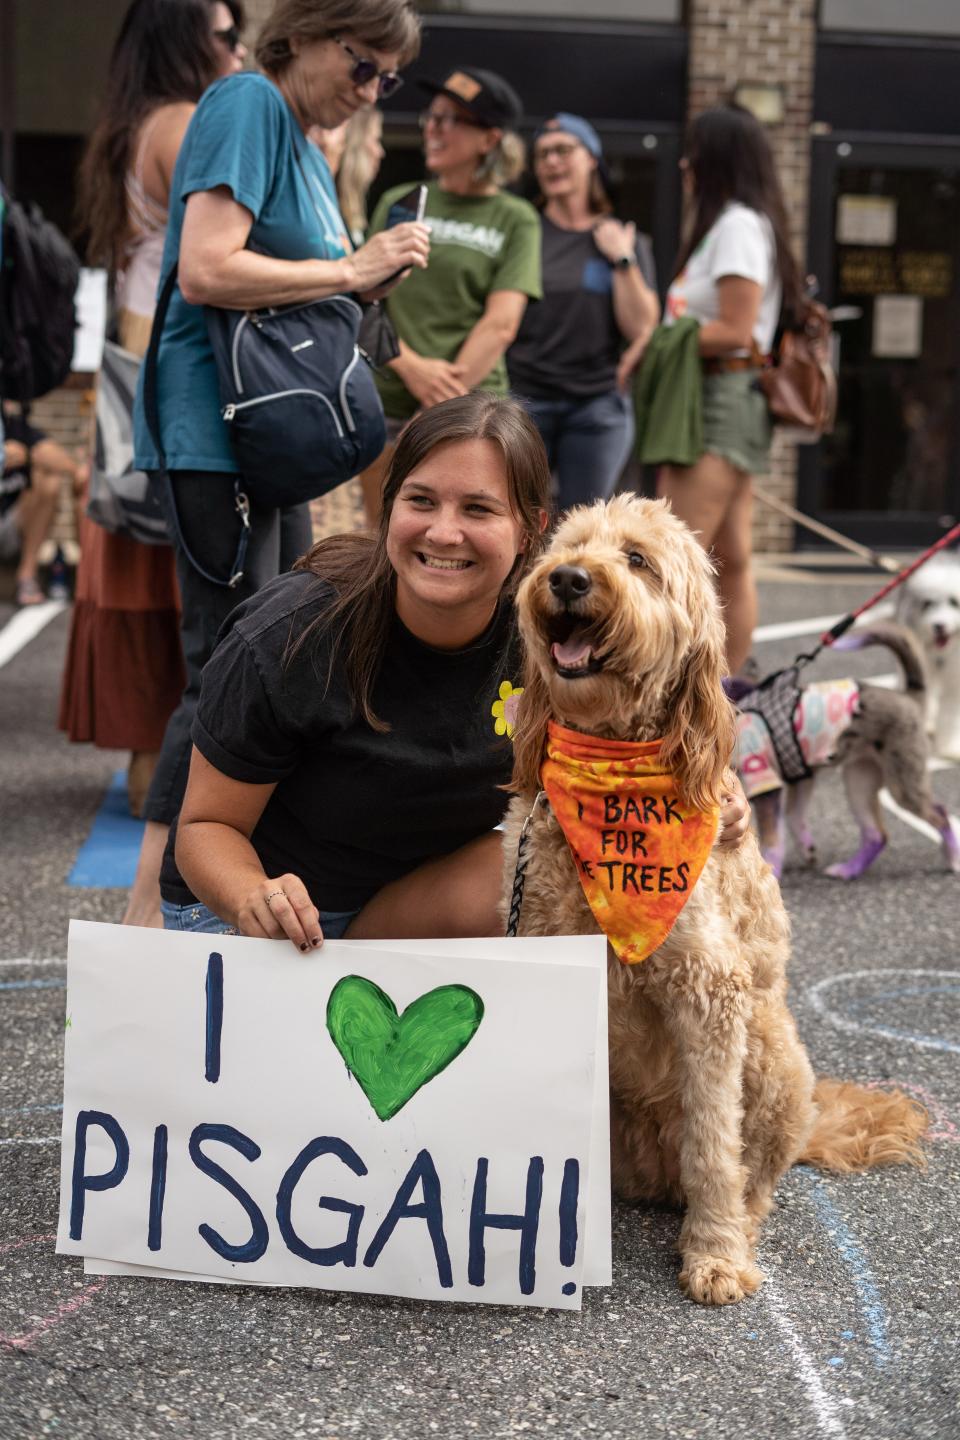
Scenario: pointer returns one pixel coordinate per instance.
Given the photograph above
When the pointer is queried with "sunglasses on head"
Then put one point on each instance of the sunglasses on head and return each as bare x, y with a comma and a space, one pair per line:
365, 70
230, 37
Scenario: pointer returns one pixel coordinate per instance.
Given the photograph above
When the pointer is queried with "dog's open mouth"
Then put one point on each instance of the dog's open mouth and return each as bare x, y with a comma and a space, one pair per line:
574, 645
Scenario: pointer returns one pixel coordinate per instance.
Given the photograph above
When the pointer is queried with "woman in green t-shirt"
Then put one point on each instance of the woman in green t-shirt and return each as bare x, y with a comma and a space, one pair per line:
456, 319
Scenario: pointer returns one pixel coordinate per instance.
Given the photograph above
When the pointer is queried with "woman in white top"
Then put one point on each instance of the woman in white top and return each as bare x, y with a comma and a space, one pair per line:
734, 274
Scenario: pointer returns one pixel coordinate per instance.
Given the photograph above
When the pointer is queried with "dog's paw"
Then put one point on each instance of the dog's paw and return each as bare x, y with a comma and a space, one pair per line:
710, 1280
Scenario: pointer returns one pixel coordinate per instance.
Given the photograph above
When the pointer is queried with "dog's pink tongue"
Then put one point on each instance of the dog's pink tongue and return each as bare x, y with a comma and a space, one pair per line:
574, 651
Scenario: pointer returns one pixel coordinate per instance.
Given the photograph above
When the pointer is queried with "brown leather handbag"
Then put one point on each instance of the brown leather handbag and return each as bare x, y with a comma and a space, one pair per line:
800, 384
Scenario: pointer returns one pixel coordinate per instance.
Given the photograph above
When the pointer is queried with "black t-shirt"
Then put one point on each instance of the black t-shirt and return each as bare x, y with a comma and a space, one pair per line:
353, 808
568, 344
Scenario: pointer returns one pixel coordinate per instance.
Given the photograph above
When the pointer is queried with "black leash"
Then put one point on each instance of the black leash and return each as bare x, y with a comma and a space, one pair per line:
520, 874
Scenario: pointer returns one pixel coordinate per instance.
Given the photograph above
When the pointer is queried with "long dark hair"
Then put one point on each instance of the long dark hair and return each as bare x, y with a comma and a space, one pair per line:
163, 53
357, 568
730, 158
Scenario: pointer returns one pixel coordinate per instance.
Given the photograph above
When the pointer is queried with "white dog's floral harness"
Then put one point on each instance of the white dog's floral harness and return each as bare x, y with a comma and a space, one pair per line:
822, 712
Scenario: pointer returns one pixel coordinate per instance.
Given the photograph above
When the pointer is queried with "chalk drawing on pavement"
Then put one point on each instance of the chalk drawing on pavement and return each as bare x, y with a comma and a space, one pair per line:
60, 1310
827, 1000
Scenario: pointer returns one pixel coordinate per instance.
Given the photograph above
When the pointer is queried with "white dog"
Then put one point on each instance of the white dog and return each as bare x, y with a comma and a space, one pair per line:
930, 606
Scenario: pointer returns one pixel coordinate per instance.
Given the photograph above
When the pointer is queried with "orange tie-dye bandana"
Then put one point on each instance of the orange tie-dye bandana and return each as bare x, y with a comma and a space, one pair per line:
638, 849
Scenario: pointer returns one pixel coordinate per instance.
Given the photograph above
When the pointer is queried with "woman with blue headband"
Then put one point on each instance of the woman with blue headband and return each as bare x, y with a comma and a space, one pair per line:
574, 351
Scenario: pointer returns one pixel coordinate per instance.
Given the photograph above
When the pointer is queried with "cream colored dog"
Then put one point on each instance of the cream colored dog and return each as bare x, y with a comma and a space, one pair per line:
713, 1094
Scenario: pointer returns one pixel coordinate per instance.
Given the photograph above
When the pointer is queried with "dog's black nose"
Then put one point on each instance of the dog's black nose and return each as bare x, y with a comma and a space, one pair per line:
570, 582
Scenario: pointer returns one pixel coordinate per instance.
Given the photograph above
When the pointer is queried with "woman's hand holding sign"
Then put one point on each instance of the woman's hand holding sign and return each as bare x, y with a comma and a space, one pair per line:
281, 909
274, 908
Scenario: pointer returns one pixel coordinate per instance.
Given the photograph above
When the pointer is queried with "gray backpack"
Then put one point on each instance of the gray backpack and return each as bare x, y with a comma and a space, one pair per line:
119, 497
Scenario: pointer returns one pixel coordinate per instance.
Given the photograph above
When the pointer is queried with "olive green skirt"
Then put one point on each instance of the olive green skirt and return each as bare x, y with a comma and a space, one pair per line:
736, 421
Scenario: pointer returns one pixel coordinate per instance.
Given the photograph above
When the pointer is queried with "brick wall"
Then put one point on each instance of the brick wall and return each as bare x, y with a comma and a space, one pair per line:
763, 42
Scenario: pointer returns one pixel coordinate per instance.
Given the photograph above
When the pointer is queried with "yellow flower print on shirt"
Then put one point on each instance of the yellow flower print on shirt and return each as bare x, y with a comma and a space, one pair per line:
504, 710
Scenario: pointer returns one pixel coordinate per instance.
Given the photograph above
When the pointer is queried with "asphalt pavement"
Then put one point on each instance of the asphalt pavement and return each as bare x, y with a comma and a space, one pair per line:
854, 1335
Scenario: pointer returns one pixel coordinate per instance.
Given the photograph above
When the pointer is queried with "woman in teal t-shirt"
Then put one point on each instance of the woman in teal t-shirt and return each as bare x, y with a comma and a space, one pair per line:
254, 222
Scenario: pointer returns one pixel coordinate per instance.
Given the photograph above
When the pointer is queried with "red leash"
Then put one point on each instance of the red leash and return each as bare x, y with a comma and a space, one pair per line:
842, 626
828, 637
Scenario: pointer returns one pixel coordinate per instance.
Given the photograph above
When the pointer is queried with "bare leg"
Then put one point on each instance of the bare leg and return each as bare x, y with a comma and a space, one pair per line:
715, 501
139, 774
862, 780
455, 896
35, 513
143, 906
371, 483
732, 547
698, 494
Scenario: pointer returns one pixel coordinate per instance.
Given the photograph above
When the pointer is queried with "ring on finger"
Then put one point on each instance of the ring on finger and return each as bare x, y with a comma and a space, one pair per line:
273, 895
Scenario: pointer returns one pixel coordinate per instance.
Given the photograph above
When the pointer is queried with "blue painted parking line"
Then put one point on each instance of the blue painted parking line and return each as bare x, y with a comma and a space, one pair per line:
108, 857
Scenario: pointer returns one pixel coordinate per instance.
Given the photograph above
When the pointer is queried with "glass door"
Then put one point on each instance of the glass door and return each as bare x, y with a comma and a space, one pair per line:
885, 244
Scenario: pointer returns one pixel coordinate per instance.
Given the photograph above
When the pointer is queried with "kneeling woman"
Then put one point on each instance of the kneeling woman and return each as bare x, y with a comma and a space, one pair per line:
354, 721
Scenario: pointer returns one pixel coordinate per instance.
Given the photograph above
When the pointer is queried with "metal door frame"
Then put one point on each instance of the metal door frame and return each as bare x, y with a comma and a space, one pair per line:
829, 155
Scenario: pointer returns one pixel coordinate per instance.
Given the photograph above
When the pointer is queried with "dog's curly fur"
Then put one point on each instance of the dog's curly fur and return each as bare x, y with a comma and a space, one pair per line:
713, 1094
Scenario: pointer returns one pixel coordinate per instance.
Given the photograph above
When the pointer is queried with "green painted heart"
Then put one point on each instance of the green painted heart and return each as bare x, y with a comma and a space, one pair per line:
393, 1055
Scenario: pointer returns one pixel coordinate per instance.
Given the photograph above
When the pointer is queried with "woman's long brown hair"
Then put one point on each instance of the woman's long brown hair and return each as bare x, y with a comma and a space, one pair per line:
164, 53
730, 157
356, 567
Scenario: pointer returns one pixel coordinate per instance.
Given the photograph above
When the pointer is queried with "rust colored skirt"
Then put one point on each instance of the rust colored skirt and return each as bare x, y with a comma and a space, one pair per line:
124, 670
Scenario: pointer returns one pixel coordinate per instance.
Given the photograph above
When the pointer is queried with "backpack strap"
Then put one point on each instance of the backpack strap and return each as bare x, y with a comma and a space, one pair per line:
151, 409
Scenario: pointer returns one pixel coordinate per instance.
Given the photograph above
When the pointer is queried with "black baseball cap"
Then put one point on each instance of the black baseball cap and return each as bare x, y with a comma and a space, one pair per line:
486, 95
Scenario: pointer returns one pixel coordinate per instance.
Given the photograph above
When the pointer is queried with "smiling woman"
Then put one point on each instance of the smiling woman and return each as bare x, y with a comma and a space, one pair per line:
349, 751
254, 222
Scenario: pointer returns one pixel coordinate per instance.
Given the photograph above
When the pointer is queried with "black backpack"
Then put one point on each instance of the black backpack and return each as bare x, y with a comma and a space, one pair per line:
38, 280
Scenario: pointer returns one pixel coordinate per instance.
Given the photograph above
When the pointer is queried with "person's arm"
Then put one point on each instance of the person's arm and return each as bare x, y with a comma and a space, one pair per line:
636, 308
217, 269
738, 301
216, 859
490, 337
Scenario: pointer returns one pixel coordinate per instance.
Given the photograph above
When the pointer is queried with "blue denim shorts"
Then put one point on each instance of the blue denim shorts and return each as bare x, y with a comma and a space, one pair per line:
201, 920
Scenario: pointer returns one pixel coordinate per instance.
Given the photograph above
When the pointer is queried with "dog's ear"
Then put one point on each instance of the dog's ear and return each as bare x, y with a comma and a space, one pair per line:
530, 735
699, 743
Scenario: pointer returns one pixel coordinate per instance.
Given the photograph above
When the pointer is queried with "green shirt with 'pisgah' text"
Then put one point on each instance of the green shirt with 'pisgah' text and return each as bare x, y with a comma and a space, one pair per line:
478, 244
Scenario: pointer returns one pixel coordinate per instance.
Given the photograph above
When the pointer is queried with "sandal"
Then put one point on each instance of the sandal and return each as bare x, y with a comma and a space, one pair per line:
29, 592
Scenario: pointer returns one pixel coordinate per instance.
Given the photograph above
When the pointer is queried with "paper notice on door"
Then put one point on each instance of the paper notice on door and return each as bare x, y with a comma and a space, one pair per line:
897, 327
866, 220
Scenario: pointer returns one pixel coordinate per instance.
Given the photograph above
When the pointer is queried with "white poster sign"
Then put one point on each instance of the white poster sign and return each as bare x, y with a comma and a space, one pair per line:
417, 1120
897, 327
866, 220
91, 303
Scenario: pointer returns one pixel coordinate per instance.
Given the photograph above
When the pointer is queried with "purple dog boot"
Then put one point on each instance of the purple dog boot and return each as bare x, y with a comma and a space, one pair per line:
852, 869
951, 846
